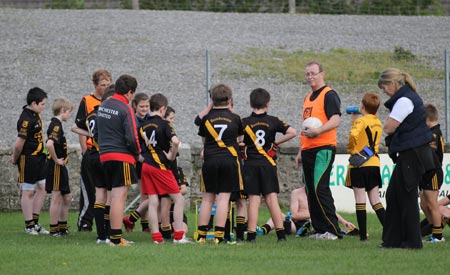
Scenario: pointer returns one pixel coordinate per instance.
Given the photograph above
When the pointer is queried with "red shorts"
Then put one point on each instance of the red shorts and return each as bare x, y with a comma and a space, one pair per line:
158, 182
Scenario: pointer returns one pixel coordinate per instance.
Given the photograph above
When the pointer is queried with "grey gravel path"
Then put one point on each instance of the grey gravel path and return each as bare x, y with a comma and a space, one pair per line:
59, 50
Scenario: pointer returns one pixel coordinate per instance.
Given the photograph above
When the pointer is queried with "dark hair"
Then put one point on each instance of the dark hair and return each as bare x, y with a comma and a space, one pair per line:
431, 112
259, 98
168, 111
157, 101
108, 92
100, 75
138, 97
371, 102
220, 94
36, 94
125, 83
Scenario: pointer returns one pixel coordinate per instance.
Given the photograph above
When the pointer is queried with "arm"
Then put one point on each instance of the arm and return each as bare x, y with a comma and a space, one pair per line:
344, 222
80, 131
290, 134
390, 126
17, 150
299, 205
51, 149
172, 154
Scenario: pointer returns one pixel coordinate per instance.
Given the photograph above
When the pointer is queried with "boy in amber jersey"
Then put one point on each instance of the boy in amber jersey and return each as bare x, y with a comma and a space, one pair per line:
366, 131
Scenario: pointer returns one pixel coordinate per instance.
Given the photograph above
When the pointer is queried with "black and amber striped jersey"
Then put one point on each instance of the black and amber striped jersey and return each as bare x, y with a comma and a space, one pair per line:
91, 125
55, 132
220, 128
259, 133
29, 127
156, 133
438, 142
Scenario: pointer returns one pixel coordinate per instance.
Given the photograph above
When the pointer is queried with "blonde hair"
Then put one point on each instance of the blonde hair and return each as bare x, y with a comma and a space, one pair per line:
59, 104
395, 75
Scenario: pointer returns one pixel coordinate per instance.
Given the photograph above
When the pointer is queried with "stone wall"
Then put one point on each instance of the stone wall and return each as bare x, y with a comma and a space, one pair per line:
189, 160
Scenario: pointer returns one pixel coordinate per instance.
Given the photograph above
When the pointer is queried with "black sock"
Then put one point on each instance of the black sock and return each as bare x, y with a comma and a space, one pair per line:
135, 216
166, 232
144, 225
202, 230
251, 235
425, 227
281, 234
107, 220
361, 216
115, 236
380, 211
437, 232
99, 215
29, 223
240, 227
53, 228
227, 235
219, 233
36, 218
266, 228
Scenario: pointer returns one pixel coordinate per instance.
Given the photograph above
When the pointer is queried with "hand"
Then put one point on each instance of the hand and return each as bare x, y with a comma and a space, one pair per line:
272, 152
348, 225
243, 149
311, 132
12, 160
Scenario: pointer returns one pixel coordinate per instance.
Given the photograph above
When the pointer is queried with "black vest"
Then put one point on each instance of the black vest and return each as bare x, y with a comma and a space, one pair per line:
413, 131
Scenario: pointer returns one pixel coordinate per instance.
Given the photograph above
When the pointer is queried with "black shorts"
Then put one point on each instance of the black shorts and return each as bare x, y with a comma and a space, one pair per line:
432, 181
57, 178
32, 168
221, 175
119, 174
260, 180
366, 177
94, 169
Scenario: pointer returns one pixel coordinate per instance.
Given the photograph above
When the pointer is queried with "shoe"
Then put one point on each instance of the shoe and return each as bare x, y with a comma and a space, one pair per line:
31, 231
259, 231
40, 229
128, 241
123, 242
201, 241
327, 236
281, 240
56, 234
102, 241
64, 232
217, 241
183, 240
129, 225
352, 232
304, 230
85, 228
315, 236
435, 240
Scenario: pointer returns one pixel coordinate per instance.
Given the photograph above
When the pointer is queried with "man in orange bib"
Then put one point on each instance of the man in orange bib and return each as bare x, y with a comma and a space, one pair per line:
317, 152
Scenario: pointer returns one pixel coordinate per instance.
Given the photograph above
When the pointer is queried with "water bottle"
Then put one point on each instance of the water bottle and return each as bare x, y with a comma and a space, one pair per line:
352, 110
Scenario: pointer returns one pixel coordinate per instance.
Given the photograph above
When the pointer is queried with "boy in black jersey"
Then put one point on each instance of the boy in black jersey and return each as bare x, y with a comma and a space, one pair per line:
429, 189
161, 144
28, 154
260, 168
95, 173
57, 181
221, 130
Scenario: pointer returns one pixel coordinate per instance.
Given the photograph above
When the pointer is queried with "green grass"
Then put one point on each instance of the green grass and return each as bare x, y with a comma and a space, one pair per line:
342, 66
78, 253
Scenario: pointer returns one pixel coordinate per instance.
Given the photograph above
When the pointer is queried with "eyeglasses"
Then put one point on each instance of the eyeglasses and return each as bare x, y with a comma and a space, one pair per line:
311, 75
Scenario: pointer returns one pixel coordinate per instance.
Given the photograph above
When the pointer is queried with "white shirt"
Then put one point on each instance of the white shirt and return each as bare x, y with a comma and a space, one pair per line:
401, 109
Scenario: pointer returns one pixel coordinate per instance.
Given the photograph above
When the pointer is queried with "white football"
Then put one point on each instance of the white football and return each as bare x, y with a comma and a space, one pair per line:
311, 122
